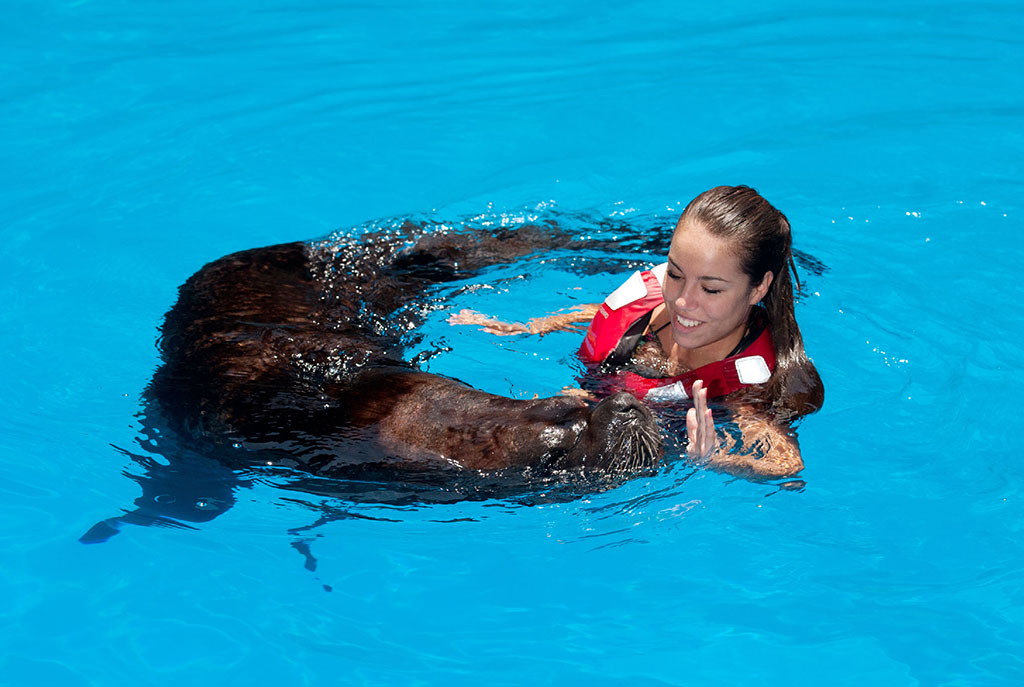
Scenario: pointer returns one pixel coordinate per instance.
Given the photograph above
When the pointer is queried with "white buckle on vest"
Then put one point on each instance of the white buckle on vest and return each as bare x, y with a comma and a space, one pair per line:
670, 392
752, 370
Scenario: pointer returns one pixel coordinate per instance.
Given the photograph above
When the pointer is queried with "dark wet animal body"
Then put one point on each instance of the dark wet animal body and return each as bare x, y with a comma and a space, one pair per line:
294, 355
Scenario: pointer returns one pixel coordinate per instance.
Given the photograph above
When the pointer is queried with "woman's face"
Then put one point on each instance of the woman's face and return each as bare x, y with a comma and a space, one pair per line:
707, 295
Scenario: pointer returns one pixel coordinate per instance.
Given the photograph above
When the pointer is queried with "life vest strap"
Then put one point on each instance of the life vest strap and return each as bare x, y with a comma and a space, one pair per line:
753, 365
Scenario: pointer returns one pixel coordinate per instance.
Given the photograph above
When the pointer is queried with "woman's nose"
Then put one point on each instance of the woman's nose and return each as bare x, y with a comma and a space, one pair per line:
686, 298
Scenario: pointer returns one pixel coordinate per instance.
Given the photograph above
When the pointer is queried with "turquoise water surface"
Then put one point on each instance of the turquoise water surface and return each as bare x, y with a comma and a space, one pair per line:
143, 139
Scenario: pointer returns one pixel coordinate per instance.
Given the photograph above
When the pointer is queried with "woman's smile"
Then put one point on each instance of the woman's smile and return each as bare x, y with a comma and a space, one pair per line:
686, 323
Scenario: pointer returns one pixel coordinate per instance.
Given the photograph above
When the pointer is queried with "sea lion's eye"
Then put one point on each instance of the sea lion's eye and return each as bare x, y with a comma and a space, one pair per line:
206, 504
164, 498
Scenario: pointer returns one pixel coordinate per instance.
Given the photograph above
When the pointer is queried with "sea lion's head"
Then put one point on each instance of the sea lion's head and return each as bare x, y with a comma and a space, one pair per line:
620, 435
430, 418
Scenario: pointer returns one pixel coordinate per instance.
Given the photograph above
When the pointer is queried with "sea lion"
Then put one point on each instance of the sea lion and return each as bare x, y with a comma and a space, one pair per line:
293, 355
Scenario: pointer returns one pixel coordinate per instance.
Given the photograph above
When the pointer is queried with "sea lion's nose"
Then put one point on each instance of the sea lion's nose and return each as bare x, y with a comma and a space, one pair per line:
624, 435
621, 402
620, 405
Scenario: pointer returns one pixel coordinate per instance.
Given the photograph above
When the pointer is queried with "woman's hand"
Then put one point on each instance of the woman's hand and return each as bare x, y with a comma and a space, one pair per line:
700, 426
577, 392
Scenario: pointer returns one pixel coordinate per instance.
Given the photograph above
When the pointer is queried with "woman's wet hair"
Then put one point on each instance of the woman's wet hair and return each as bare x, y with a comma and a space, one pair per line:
760, 235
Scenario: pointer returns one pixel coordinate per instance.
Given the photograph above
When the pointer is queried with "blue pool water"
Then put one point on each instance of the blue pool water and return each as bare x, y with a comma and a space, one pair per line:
143, 139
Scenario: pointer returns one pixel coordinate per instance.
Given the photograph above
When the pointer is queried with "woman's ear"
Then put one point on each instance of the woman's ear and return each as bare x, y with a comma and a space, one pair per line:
758, 292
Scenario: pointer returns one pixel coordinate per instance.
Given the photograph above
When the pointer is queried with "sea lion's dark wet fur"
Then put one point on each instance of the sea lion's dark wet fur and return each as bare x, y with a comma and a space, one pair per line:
292, 355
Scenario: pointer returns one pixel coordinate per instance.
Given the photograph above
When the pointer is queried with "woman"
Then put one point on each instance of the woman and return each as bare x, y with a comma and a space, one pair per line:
694, 325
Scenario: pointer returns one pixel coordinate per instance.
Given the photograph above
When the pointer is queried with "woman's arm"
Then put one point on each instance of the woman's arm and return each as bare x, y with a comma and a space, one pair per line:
571, 321
765, 448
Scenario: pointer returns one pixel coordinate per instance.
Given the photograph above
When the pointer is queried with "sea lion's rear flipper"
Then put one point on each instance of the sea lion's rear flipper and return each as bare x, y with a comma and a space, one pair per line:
102, 531
105, 529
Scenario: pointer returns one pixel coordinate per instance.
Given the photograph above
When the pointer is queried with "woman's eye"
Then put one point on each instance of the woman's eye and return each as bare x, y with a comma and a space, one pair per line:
712, 291
672, 275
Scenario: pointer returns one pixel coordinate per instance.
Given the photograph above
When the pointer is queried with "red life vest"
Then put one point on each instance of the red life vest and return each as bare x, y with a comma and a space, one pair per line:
635, 299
